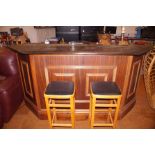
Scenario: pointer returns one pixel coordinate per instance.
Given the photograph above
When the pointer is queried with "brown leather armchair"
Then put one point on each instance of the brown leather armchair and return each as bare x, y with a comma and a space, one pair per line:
11, 94
1, 120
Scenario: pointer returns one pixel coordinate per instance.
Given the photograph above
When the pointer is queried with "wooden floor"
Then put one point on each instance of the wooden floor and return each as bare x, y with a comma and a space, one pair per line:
140, 117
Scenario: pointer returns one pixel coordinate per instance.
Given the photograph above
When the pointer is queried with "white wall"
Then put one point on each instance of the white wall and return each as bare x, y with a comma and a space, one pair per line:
131, 30
31, 32
43, 34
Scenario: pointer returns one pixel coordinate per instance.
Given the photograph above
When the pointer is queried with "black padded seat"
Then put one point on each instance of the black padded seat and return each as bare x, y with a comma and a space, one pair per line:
105, 88
60, 88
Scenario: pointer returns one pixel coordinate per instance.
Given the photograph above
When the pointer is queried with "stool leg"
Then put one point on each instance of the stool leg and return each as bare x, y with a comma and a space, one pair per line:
93, 111
90, 109
72, 103
48, 111
116, 112
109, 113
54, 110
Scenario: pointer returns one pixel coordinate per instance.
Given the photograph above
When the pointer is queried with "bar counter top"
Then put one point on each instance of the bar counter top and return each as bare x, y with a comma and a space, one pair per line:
81, 49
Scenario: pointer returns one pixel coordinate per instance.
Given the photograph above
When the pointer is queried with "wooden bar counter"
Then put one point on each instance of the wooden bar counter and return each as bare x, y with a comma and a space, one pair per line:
83, 63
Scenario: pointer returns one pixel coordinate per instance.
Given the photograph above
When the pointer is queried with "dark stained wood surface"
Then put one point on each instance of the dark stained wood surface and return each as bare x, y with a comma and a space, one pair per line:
82, 70
81, 49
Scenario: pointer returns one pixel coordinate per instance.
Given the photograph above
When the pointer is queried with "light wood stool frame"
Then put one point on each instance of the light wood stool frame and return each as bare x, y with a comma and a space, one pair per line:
50, 104
114, 103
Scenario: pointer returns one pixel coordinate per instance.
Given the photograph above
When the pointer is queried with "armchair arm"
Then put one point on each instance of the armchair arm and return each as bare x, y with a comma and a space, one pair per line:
8, 83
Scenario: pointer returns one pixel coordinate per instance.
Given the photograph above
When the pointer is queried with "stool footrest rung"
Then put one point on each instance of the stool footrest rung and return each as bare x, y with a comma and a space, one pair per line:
57, 124
59, 106
103, 124
62, 110
102, 110
106, 105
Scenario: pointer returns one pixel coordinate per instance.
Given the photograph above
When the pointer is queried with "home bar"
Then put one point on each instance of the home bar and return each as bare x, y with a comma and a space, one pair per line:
77, 76
82, 64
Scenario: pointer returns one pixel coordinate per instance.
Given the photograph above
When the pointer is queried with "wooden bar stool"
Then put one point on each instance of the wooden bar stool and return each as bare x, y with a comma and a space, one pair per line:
104, 96
60, 90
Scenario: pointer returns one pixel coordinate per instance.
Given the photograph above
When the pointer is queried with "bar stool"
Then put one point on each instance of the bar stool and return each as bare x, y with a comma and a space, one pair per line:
60, 90
111, 95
